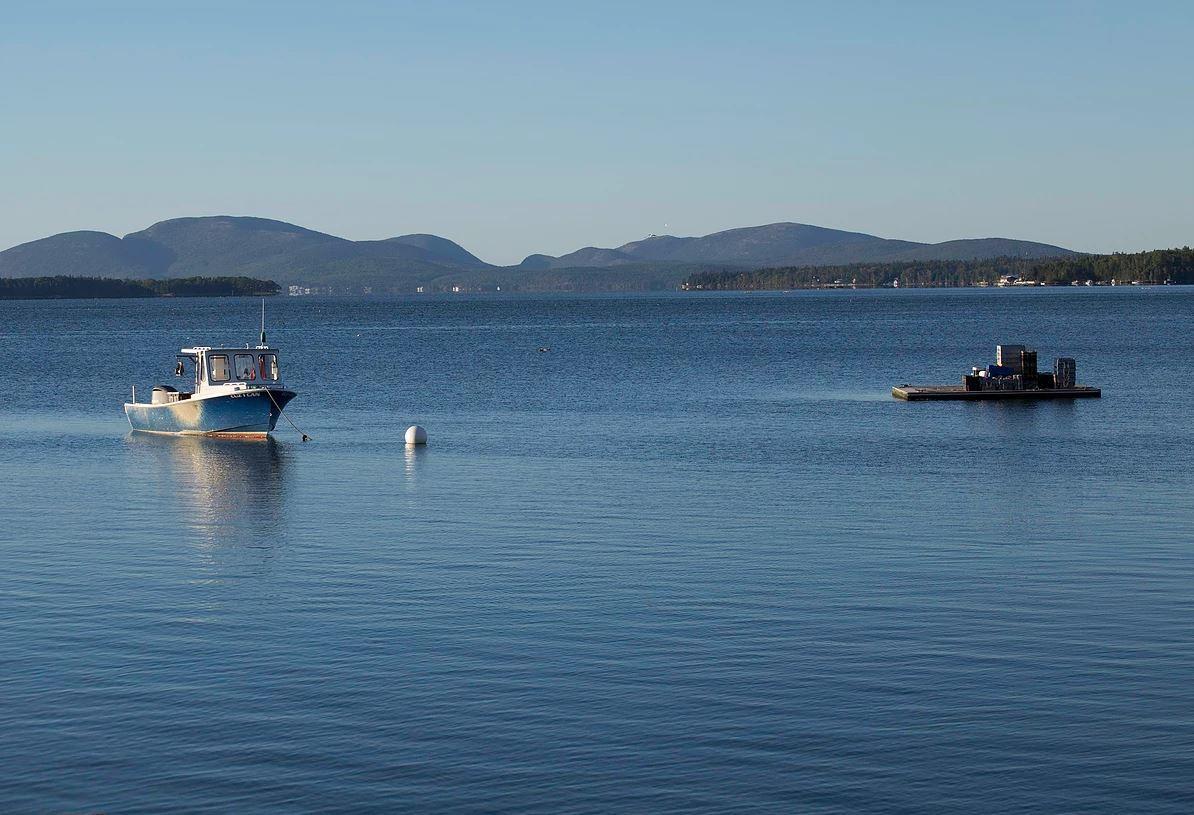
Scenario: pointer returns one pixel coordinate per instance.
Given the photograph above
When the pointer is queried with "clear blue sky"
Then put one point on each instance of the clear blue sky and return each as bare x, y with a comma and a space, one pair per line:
545, 126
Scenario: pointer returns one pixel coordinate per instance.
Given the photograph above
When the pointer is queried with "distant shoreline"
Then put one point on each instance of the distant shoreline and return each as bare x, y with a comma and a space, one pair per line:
62, 287
1157, 267
840, 286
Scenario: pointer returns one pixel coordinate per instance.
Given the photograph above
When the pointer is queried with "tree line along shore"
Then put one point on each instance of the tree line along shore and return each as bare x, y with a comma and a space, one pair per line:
1154, 267
63, 287
1175, 266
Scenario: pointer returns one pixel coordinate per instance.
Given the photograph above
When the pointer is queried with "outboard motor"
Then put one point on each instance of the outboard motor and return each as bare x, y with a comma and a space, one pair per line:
163, 394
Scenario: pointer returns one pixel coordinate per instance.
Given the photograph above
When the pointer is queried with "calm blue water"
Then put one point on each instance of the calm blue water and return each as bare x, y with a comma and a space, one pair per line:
693, 559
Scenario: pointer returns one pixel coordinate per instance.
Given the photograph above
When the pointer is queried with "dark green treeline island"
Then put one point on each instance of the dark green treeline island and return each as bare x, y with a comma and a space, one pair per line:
62, 288
1146, 268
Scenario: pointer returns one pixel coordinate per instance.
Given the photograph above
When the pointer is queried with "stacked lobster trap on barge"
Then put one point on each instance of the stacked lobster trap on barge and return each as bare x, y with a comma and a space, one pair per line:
1015, 369
1015, 374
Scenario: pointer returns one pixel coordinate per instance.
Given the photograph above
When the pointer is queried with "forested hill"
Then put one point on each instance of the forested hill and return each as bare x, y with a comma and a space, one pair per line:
790, 244
62, 288
1157, 266
259, 248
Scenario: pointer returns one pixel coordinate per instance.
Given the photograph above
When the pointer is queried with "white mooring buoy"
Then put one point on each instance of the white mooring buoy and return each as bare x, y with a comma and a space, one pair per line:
415, 434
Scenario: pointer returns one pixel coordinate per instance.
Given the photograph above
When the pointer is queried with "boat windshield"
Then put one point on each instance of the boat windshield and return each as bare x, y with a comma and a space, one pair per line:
242, 366
219, 368
245, 367
268, 367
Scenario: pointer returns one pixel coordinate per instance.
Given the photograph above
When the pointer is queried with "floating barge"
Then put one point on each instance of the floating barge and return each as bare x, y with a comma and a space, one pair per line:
1014, 376
942, 393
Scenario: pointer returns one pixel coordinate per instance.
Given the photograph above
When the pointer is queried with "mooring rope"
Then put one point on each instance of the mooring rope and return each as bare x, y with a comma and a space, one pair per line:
284, 416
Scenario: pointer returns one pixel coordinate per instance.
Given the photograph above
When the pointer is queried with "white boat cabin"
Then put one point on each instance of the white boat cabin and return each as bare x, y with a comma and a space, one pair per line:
219, 371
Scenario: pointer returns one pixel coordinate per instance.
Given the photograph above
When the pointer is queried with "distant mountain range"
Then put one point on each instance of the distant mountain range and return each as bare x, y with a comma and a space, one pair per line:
254, 247
787, 244
292, 255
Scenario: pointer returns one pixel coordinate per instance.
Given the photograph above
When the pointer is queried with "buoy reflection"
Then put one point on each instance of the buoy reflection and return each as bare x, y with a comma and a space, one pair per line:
412, 454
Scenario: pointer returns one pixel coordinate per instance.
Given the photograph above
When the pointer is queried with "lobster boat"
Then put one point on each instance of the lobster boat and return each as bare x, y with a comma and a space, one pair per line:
238, 392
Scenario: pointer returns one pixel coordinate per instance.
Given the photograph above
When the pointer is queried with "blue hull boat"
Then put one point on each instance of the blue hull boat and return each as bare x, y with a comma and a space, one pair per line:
250, 412
238, 392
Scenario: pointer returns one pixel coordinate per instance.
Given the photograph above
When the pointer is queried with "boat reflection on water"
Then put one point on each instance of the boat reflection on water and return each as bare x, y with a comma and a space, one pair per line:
228, 492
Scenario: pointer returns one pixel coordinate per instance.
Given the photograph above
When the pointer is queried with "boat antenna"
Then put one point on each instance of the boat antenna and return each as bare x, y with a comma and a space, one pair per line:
263, 321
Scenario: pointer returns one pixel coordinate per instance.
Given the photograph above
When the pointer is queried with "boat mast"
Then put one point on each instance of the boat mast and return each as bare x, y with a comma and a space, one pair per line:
262, 322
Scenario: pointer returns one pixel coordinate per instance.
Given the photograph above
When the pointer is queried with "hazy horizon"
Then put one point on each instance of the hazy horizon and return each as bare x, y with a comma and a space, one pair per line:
536, 128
